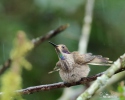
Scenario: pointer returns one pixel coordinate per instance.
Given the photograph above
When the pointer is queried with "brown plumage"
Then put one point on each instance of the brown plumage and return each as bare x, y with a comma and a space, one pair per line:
91, 59
73, 66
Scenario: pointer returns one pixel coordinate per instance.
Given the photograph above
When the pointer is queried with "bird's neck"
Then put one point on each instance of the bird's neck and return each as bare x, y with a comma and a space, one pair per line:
61, 56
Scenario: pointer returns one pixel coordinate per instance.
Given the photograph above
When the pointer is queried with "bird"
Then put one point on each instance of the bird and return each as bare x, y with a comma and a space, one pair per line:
73, 66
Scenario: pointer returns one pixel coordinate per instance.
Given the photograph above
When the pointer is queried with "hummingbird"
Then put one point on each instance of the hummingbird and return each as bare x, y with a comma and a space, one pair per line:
73, 66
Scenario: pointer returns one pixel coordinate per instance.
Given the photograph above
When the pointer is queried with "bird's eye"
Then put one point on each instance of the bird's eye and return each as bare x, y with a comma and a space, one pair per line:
63, 47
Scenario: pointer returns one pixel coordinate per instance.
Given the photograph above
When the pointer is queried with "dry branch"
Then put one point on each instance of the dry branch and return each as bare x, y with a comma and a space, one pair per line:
50, 34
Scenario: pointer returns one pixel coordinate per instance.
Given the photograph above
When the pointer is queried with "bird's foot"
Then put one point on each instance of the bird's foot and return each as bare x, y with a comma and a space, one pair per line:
85, 81
67, 84
83, 78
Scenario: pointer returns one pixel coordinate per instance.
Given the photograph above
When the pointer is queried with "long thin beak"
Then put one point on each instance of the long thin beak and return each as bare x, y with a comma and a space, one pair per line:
52, 44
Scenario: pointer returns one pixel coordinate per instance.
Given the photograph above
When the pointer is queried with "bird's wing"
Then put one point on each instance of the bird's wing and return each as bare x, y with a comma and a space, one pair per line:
88, 58
56, 68
99, 60
82, 58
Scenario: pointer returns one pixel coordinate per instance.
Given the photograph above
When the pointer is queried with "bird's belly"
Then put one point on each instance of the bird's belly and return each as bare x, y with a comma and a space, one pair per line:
74, 75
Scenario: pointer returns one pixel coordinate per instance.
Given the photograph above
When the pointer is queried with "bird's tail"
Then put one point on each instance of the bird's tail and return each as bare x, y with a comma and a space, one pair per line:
102, 61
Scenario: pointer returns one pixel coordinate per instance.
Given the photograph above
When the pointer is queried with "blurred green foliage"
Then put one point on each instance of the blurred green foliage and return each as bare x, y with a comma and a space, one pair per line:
37, 17
11, 80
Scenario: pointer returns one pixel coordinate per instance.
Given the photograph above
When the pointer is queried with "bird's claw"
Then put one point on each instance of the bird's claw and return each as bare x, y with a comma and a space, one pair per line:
67, 84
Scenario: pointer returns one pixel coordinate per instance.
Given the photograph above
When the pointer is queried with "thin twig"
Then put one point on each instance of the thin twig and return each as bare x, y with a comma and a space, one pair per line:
36, 42
5, 66
51, 34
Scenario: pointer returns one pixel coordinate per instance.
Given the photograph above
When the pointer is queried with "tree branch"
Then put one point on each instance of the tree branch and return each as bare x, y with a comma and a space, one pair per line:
48, 87
36, 42
118, 66
86, 28
50, 34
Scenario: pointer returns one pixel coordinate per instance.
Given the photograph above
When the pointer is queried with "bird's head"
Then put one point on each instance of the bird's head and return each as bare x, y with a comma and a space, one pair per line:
61, 49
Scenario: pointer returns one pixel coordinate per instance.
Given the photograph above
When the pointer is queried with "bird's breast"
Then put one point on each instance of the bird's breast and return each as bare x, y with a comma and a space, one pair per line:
67, 64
